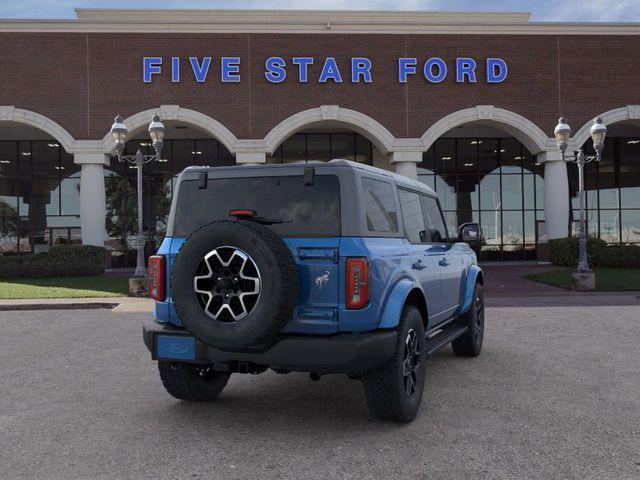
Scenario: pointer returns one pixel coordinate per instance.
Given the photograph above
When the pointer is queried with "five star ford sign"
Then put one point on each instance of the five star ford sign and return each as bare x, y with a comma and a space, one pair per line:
361, 69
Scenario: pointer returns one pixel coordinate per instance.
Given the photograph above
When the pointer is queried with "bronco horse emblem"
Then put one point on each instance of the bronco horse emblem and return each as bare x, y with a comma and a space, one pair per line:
322, 280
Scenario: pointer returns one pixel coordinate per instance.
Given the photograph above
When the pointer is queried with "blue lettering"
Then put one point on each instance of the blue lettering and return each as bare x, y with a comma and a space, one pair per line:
406, 66
428, 70
465, 67
275, 69
175, 69
151, 66
303, 66
330, 71
230, 69
496, 70
360, 67
200, 71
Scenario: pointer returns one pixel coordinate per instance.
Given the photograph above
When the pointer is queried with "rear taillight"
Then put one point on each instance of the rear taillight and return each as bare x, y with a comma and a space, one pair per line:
156, 277
357, 282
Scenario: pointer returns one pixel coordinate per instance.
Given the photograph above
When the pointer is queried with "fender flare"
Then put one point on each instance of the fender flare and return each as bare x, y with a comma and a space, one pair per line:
395, 302
467, 294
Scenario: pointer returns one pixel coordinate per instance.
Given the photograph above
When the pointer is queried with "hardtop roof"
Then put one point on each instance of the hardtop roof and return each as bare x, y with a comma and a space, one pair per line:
399, 180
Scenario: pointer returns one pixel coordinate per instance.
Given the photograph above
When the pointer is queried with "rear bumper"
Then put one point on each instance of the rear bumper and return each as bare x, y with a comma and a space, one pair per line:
350, 353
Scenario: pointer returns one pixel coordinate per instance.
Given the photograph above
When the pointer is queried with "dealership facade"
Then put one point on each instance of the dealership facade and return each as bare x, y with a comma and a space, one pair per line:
465, 102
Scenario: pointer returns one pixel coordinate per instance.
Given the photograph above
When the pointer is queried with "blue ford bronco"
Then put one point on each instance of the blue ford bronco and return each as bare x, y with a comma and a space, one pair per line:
333, 267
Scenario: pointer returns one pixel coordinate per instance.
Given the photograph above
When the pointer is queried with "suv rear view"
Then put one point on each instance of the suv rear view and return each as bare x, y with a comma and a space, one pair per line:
283, 268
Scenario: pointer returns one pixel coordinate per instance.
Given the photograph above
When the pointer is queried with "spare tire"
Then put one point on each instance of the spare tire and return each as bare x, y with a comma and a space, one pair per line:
234, 284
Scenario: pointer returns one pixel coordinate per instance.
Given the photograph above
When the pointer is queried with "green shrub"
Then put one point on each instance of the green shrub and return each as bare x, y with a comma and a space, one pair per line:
618, 256
61, 261
564, 251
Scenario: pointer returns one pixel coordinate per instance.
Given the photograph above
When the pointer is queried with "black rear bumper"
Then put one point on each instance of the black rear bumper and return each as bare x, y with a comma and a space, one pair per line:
350, 353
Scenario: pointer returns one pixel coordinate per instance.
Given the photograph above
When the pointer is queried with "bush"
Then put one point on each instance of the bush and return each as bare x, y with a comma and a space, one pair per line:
564, 251
61, 261
618, 256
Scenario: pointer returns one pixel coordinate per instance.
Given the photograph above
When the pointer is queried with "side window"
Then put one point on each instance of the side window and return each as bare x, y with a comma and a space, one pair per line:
436, 230
412, 216
379, 206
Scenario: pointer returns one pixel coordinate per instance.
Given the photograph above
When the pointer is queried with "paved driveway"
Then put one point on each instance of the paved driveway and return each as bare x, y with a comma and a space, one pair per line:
555, 394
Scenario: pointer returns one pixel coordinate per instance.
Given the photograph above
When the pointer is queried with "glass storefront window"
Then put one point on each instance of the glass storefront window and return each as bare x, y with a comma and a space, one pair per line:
319, 148
512, 192
493, 181
630, 223
306, 147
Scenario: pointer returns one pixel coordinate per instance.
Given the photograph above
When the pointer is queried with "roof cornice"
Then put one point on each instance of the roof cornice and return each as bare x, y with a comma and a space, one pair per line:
312, 21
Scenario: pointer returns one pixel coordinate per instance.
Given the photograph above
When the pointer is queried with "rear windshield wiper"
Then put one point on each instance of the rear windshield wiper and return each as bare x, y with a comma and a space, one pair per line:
253, 216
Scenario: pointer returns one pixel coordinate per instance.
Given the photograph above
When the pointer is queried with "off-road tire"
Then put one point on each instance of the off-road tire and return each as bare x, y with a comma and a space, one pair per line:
385, 387
470, 344
193, 383
279, 284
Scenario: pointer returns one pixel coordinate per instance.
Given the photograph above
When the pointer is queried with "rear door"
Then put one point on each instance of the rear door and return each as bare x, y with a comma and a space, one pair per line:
440, 250
424, 266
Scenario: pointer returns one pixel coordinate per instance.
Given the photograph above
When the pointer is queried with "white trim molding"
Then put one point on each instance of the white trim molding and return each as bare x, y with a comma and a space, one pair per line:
179, 114
629, 112
10, 113
309, 21
363, 124
523, 129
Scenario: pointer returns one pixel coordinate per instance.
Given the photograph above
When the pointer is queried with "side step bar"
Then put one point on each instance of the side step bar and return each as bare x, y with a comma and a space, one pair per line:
444, 338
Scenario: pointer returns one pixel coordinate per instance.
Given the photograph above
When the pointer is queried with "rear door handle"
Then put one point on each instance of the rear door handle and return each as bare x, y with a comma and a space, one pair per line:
444, 262
418, 265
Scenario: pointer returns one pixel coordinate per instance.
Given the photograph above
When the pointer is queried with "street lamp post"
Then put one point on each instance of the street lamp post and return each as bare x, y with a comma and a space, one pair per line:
156, 132
562, 133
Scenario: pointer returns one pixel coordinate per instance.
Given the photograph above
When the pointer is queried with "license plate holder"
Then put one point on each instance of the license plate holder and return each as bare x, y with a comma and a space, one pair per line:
175, 347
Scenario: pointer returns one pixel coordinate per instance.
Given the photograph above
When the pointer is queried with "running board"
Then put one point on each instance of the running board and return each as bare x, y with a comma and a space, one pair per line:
444, 338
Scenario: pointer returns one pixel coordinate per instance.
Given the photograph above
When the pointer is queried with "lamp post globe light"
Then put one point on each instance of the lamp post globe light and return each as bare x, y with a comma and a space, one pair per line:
583, 278
119, 133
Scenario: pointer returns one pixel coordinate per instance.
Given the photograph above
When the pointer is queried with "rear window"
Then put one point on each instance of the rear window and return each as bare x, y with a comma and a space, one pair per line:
379, 206
305, 210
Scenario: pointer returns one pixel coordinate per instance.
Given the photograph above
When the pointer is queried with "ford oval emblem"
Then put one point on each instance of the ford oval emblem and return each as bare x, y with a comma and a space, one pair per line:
177, 348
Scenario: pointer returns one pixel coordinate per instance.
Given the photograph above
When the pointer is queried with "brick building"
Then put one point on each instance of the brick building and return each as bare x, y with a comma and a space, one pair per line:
466, 102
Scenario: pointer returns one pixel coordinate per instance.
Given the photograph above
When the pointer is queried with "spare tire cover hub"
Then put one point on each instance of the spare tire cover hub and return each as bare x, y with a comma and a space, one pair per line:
227, 284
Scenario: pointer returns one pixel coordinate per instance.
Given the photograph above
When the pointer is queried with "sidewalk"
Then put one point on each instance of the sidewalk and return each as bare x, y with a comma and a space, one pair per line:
115, 304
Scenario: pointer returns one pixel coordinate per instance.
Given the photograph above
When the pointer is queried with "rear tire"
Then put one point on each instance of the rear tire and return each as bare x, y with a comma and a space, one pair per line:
193, 383
470, 344
394, 391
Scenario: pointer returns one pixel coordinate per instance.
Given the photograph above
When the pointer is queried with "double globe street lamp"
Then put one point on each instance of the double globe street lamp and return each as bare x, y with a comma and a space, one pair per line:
119, 133
562, 132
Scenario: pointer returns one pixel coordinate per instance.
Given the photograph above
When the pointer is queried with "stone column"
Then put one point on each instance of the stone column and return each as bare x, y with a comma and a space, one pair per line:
251, 158
556, 194
92, 196
406, 163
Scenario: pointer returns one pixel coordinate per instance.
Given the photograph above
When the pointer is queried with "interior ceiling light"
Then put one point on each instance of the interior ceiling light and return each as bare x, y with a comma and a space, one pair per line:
53, 145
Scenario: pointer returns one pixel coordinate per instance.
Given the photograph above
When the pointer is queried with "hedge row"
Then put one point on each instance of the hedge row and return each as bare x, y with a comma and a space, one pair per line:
564, 252
61, 261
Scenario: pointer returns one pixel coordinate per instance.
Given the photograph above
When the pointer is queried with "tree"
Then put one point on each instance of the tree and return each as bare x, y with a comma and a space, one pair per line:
122, 211
9, 221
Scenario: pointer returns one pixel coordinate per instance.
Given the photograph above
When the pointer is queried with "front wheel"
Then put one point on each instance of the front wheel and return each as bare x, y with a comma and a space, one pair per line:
394, 391
194, 383
470, 344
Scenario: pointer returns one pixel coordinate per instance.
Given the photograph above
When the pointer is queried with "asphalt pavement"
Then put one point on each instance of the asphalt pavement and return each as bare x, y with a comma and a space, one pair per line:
555, 394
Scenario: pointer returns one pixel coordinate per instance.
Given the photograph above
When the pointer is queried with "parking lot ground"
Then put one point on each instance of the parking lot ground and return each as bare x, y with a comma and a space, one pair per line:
555, 394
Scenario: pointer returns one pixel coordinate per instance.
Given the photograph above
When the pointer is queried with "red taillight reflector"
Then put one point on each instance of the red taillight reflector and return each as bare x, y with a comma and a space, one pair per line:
357, 282
242, 213
156, 277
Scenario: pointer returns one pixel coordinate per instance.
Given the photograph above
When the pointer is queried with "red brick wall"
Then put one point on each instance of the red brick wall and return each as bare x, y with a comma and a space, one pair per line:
82, 80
